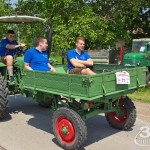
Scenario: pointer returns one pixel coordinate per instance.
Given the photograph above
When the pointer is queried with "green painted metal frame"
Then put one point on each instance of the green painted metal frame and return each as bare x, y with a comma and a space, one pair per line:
101, 89
83, 87
3, 70
75, 91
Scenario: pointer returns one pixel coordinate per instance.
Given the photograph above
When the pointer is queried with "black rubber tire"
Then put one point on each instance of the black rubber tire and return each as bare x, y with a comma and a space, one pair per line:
3, 97
79, 126
130, 118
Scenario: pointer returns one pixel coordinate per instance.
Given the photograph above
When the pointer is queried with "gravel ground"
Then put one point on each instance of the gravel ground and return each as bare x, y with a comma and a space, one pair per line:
1, 148
143, 111
28, 127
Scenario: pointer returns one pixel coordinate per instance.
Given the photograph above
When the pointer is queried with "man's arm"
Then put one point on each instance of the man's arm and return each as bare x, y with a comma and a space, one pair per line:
27, 66
52, 68
88, 62
77, 64
27, 60
13, 46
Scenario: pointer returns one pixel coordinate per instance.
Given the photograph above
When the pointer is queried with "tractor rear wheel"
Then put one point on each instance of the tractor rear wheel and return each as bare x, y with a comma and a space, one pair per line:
3, 97
126, 117
69, 129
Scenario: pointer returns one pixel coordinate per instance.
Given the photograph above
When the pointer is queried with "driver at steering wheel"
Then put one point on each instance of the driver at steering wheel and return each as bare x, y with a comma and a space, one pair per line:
8, 48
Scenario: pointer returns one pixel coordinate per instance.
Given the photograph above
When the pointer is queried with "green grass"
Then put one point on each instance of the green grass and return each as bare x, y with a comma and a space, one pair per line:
57, 58
142, 95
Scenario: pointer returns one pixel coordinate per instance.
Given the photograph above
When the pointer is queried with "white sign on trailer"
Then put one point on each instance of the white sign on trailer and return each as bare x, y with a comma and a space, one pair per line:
122, 77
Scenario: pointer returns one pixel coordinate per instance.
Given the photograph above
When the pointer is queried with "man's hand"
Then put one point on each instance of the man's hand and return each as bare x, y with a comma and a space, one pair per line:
27, 66
53, 69
74, 62
84, 66
79, 61
22, 45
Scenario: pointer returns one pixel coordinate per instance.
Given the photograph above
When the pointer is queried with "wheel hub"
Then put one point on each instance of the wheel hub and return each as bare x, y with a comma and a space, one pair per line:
120, 115
65, 130
120, 112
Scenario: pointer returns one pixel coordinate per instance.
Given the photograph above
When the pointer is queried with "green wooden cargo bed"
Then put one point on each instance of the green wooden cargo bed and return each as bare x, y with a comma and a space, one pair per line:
88, 87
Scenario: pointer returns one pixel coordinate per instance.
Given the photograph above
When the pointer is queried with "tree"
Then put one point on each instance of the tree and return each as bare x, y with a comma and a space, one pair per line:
123, 16
71, 18
5, 10
101, 22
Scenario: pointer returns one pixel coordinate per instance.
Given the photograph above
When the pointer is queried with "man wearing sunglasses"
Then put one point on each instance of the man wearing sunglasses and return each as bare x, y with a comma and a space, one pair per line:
8, 48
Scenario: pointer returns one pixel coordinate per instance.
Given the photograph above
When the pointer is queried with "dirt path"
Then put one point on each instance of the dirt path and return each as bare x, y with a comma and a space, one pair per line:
143, 111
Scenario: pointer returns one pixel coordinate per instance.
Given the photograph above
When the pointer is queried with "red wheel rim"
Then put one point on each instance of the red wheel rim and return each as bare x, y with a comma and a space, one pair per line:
65, 130
119, 119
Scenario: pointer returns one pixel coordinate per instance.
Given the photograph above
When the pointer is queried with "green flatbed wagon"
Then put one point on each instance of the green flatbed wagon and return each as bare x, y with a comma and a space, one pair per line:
75, 98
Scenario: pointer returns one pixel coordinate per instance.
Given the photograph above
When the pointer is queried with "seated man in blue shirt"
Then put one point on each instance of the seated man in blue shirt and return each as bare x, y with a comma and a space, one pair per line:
78, 60
37, 58
8, 48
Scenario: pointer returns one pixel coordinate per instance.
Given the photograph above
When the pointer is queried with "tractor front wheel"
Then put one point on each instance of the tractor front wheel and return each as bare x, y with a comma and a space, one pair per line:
126, 117
3, 97
69, 128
